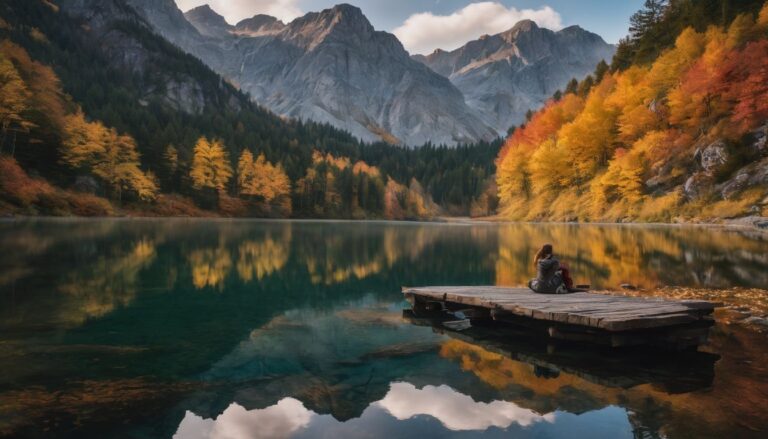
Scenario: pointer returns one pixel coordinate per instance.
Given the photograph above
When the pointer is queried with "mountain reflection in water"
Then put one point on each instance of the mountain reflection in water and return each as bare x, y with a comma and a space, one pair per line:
197, 328
453, 410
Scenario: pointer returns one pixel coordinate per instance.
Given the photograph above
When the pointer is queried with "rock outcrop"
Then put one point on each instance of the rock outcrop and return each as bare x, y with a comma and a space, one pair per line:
503, 76
116, 30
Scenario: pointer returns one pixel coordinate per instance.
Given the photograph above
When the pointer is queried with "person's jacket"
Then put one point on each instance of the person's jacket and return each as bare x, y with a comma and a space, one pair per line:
548, 279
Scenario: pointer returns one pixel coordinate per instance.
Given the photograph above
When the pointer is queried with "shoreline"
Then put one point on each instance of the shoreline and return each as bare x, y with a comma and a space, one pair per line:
758, 224
754, 224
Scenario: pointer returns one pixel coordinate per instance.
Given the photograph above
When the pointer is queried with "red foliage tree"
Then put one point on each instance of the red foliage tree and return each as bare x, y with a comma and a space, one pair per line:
746, 72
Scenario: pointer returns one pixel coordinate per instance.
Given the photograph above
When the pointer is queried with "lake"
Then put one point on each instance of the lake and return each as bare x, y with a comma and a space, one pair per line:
188, 329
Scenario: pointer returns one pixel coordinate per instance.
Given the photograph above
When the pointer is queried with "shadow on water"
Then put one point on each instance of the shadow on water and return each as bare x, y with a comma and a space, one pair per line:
156, 328
670, 372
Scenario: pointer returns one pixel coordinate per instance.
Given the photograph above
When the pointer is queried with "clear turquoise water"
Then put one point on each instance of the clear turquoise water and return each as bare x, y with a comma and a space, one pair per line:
228, 329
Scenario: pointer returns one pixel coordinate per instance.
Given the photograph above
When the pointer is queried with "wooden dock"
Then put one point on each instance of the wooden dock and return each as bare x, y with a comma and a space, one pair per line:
599, 318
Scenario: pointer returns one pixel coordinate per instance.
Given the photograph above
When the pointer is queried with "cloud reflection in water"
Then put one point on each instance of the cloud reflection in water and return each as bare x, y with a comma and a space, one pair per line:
454, 410
275, 422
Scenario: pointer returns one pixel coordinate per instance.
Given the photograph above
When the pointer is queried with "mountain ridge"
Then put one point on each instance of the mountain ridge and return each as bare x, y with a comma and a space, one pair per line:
504, 75
333, 66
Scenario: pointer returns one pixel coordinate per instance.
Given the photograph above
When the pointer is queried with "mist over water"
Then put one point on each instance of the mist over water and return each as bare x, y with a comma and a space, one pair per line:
218, 328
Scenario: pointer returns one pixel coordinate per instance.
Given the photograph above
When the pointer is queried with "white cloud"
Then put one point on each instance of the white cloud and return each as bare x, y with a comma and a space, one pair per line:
275, 422
455, 410
425, 32
236, 10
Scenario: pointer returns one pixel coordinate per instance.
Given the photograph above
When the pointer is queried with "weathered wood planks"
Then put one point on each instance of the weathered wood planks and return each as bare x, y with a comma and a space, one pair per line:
601, 311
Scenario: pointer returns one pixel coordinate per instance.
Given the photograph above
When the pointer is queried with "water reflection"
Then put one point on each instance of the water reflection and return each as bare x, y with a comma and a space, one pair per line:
279, 421
649, 256
301, 322
453, 410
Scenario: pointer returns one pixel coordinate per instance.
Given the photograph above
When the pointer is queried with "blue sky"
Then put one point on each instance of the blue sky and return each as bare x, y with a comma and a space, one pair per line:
449, 23
608, 18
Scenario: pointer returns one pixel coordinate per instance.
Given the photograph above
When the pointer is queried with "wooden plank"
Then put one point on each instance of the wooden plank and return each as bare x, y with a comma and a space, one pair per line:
610, 312
647, 322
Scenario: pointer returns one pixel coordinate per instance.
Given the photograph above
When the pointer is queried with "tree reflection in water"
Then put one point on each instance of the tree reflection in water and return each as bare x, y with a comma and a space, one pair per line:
101, 319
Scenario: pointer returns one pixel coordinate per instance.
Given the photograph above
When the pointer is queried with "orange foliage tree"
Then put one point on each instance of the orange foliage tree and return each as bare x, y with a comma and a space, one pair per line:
623, 150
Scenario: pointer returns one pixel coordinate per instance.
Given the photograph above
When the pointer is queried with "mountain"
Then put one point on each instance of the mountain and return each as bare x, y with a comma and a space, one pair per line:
95, 68
330, 66
259, 25
503, 76
679, 136
208, 22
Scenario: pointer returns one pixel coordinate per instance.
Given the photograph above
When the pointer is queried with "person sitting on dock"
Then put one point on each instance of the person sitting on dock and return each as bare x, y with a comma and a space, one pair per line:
552, 277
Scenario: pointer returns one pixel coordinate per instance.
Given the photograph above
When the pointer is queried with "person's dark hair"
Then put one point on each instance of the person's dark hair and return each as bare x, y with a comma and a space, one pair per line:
544, 251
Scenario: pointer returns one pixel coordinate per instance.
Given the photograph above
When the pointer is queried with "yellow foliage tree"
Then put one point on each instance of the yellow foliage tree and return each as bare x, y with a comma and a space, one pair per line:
762, 19
111, 157
669, 67
588, 140
636, 102
210, 165
742, 29
245, 173
549, 167
261, 178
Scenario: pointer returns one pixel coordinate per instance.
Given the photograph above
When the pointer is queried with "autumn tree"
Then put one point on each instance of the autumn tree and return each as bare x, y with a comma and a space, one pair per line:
747, 74
762, 20
588, 140
261, 178
549, 167
107, 155
210, 165
14, 100
245, 173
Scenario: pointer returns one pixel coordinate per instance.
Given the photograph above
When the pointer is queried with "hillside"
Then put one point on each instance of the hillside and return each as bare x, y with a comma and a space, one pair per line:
678, 139
87, 83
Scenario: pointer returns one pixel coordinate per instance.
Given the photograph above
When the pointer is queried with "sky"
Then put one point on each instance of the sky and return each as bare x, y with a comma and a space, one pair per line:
425, 25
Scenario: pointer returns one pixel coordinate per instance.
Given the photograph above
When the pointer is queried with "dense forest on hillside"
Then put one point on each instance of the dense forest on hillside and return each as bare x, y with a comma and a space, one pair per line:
655, 28
178, 139
681, 137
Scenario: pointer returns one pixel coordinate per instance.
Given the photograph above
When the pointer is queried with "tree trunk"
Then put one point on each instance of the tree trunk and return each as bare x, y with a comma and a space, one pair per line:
2, 141
13, 145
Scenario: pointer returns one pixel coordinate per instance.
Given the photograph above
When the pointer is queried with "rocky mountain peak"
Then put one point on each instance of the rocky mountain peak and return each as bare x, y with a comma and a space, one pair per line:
525, 25
259, 24
208, 22
344, 22
504, 75
523, 29
346, 16
346, 11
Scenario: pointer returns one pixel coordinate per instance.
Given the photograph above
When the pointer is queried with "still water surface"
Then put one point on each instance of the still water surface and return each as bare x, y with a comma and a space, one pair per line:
227, 329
